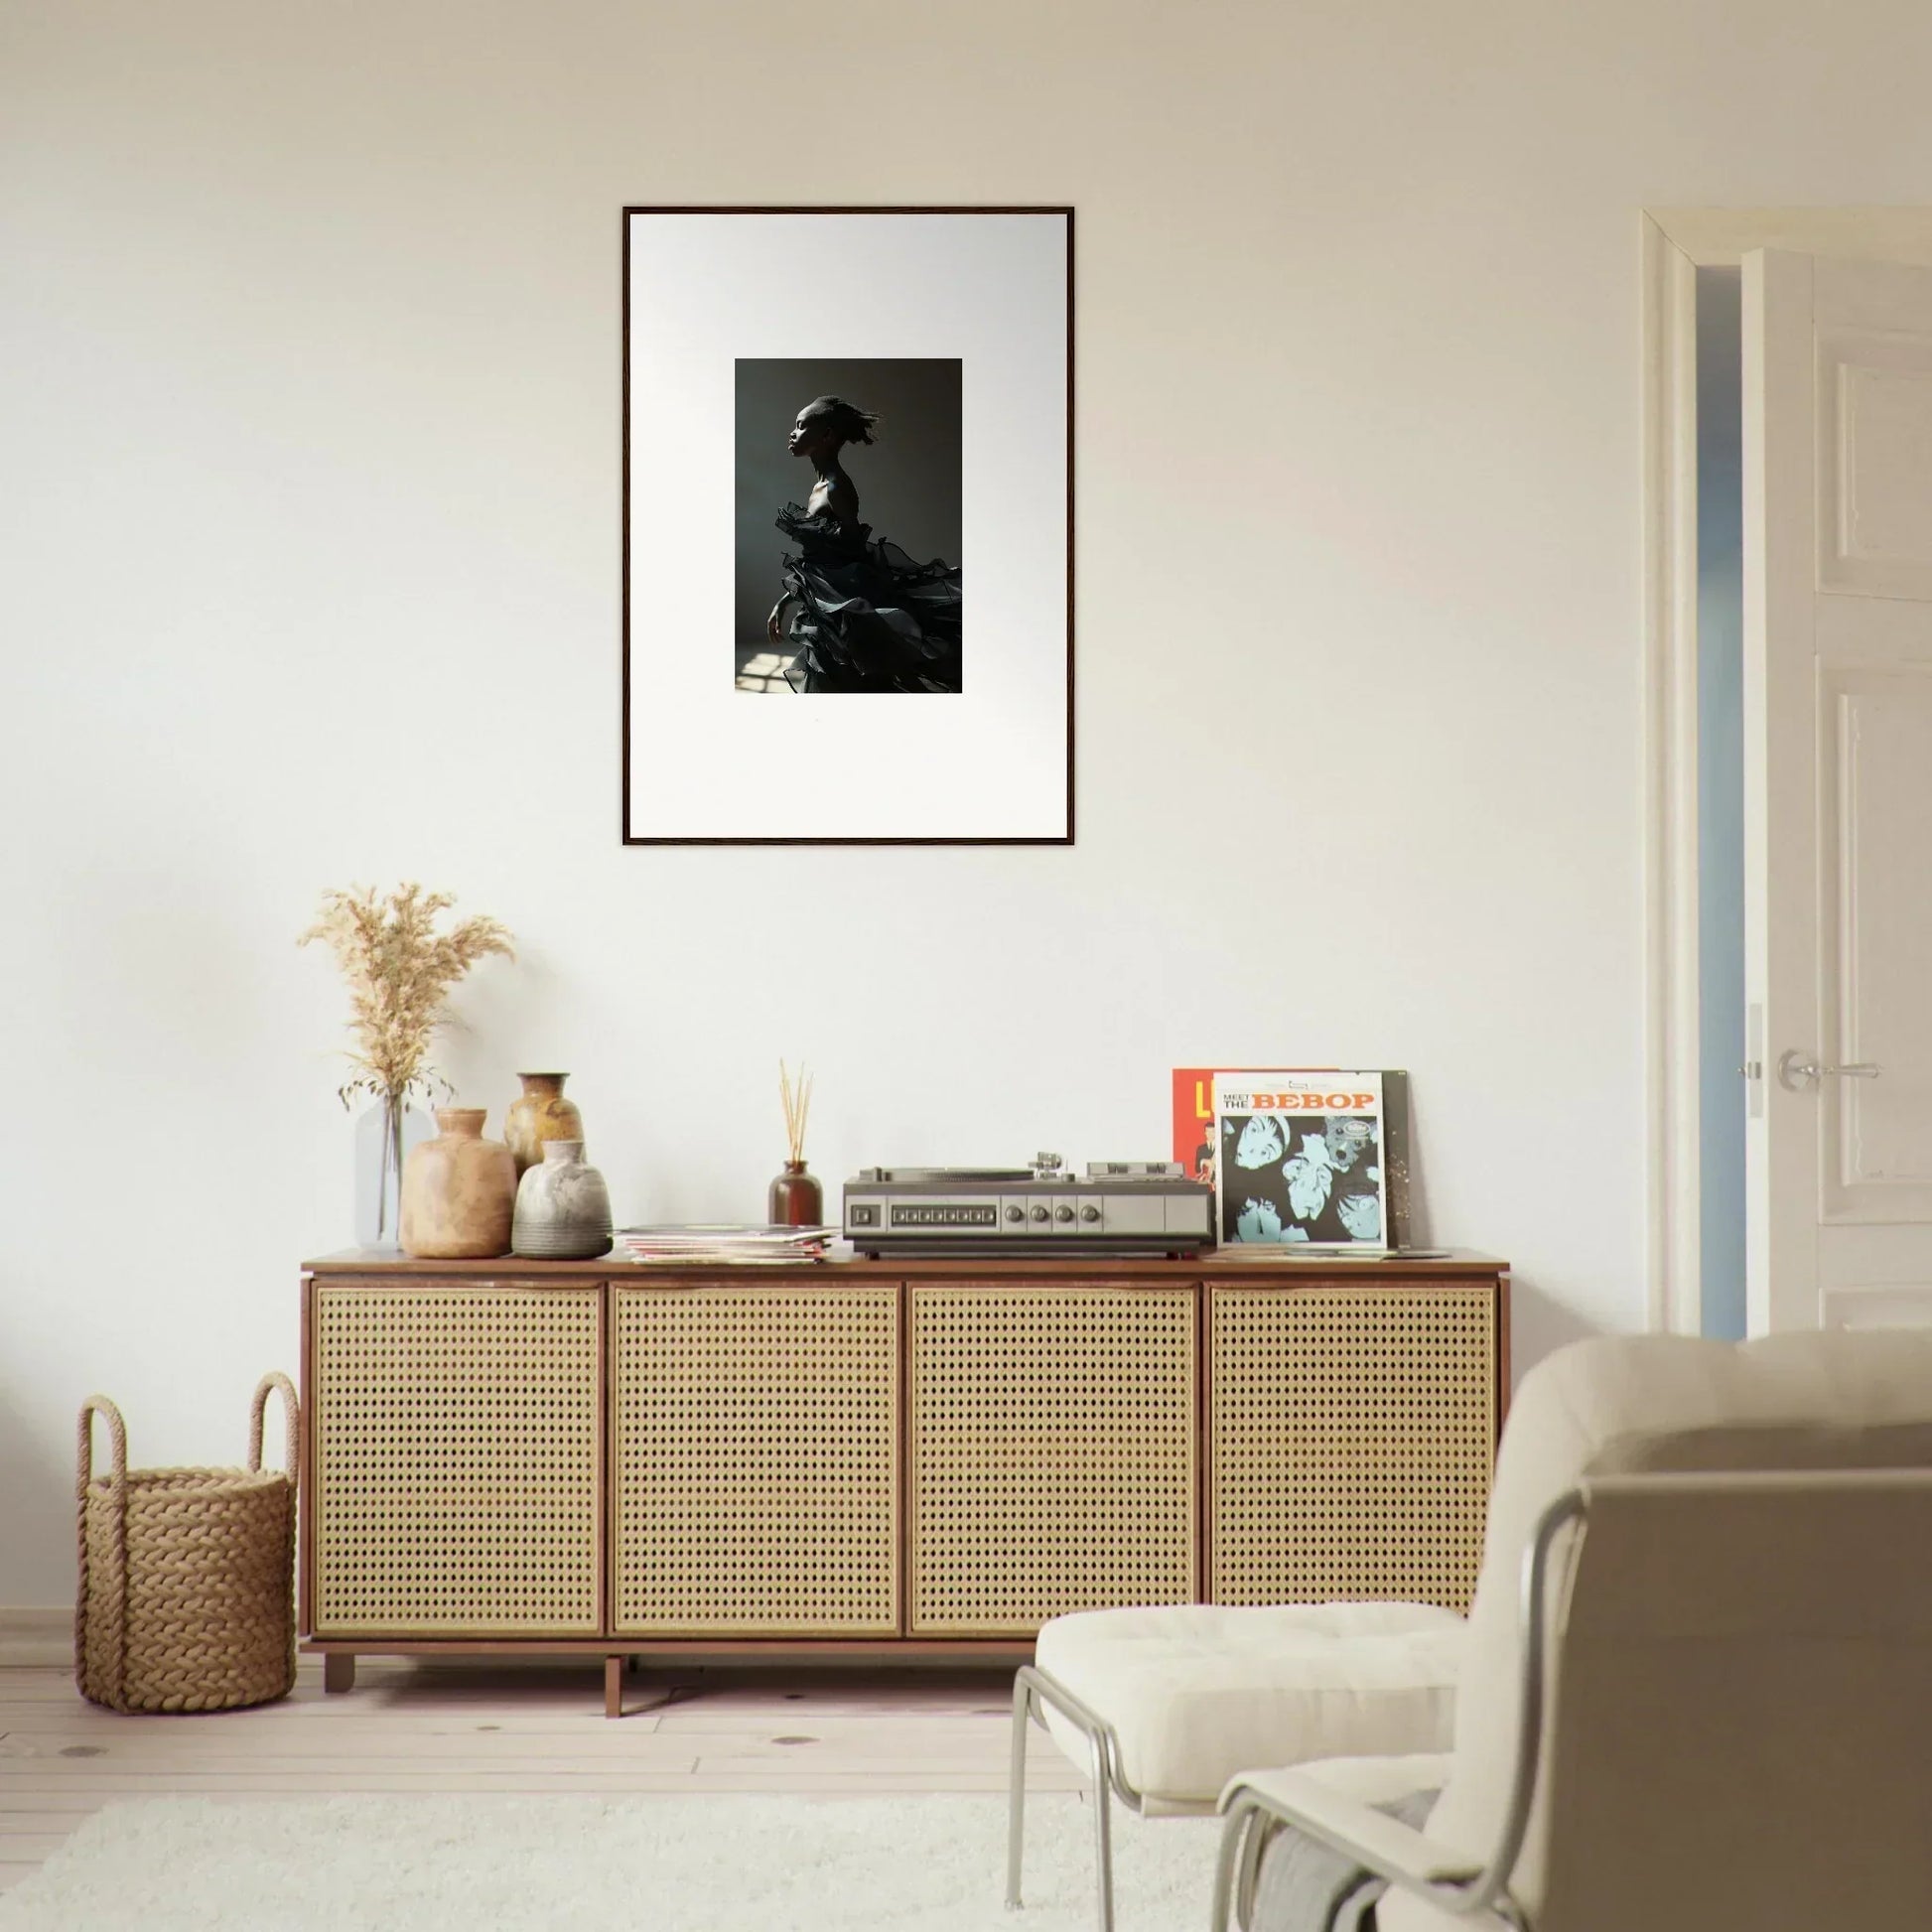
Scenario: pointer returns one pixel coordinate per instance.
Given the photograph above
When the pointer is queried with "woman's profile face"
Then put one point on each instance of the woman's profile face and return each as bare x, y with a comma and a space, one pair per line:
810, 435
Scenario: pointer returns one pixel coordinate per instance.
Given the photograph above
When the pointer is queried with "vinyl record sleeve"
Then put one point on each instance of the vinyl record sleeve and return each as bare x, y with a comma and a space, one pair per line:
1310, 1157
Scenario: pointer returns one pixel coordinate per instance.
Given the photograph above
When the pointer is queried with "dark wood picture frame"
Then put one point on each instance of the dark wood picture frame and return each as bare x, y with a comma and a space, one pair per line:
628, 835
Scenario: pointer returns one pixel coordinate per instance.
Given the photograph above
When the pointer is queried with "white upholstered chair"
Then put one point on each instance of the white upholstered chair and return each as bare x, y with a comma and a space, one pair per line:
1696, 1691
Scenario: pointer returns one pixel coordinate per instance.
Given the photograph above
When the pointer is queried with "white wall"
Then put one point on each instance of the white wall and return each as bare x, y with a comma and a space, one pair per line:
310, 575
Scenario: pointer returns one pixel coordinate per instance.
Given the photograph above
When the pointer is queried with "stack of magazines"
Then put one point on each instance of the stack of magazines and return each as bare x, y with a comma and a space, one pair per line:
724, 1241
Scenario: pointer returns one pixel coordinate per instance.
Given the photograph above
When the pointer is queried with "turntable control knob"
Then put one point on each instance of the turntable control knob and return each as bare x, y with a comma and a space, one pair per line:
1090, 1212
1062, 1213
1039, 1213
1015, 1212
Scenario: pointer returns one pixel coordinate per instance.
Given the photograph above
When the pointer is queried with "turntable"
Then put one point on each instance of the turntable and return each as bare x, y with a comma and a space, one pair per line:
1117, 1207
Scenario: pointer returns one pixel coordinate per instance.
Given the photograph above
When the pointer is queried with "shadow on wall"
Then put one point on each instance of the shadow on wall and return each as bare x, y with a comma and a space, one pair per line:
40, 1512
1538, 1326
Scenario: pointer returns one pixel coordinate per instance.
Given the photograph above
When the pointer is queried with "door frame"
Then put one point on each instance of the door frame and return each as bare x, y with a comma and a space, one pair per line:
1675, 244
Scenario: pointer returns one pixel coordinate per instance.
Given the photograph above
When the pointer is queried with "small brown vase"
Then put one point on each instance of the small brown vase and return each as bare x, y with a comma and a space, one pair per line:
458, 1191
539, 1114
796, 1199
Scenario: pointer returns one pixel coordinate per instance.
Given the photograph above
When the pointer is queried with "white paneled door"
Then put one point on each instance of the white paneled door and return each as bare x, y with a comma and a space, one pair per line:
1838, 785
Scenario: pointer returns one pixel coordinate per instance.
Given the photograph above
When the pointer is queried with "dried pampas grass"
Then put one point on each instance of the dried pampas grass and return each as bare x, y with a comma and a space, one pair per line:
399, 970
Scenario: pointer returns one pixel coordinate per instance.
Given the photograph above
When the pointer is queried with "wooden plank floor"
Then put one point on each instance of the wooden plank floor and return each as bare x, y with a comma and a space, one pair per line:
538, 1728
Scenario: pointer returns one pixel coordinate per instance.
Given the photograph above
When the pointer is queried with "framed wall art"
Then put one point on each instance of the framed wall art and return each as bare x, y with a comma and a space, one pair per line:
848, 526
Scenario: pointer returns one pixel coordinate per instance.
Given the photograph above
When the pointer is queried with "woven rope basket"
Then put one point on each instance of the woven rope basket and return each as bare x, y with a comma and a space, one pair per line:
184, 1601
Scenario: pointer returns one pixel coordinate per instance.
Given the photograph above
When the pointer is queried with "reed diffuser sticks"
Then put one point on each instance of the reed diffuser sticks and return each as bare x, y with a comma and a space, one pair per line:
796, 1099
796, 1198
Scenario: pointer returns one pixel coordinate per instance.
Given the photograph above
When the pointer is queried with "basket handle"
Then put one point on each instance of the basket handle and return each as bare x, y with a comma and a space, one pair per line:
292, 1414
112, 1660
98, 1405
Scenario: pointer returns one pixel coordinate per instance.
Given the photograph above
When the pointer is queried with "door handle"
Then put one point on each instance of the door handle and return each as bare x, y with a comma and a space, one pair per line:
1800, 1074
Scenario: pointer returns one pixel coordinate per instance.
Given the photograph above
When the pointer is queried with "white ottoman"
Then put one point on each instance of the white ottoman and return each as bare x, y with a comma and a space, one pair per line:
1163, 1705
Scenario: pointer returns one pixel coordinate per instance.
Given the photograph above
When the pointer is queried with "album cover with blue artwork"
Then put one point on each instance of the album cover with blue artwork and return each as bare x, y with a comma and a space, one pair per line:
1305, 1157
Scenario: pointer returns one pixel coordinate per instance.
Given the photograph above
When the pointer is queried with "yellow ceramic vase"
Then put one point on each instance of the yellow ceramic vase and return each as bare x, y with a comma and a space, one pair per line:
458, 1191
540, 1113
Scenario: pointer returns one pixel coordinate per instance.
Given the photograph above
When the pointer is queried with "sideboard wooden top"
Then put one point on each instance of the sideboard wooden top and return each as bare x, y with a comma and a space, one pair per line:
1222, 1263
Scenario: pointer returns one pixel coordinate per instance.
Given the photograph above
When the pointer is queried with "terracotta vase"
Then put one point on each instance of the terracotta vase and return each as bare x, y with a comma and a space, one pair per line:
540, 1113
563, 1209
458, 1191
796, 1199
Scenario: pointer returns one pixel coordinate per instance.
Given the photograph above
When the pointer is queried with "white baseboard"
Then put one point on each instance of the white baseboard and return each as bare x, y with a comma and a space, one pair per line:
39, 1637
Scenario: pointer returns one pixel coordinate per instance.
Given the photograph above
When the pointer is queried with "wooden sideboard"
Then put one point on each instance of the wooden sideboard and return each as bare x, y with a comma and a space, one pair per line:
905, 1457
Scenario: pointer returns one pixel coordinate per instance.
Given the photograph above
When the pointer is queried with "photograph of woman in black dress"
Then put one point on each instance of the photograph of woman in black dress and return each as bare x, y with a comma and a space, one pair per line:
857, 612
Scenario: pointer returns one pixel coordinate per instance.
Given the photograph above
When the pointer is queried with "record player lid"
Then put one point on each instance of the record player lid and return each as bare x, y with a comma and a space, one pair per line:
937, 1176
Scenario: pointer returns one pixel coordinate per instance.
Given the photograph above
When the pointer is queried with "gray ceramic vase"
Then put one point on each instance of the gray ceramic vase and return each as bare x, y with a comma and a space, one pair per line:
563, 1209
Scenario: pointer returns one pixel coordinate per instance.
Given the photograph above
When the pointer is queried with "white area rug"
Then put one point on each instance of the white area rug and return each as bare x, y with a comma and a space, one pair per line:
699, 1864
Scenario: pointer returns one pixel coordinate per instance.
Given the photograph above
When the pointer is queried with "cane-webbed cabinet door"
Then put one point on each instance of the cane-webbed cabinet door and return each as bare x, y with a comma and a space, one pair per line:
755, 1433
456, 1459
1053, 1440
1351, 1433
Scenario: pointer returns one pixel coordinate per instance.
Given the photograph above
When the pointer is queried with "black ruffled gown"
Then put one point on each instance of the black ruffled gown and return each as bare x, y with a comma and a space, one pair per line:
867, 617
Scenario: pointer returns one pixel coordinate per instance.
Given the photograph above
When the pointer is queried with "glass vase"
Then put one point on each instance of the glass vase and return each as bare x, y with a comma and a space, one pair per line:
384, 1134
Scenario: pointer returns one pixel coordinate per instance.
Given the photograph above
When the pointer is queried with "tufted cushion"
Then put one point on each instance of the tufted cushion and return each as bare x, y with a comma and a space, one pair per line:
1198, 1692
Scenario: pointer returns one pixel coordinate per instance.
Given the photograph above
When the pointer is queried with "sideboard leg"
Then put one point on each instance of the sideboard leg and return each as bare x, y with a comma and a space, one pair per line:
339, 1671
613, 1686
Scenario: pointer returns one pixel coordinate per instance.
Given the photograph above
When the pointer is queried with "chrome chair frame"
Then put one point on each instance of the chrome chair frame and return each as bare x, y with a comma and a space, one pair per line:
1033, 1692
1481, 1894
